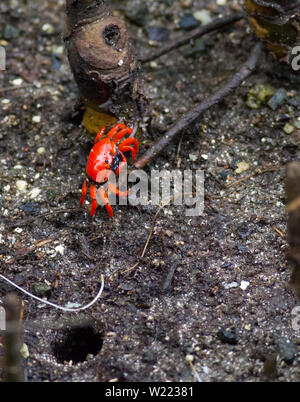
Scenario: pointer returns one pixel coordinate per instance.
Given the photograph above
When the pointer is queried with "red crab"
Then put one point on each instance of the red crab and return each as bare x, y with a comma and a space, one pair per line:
105, 157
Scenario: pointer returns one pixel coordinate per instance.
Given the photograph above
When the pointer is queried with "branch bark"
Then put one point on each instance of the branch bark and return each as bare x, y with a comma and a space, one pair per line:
194, 114
100, 53
216, 25
293, 209
13, 370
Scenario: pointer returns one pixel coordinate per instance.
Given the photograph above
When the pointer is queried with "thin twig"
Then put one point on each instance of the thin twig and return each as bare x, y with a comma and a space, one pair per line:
257, 172
196, 33
53, 304
194, 114
278, 231
151, 232
7, 89
30, 219
146, 244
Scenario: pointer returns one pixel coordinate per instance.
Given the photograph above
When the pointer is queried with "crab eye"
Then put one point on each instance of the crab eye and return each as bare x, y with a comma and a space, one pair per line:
106, 160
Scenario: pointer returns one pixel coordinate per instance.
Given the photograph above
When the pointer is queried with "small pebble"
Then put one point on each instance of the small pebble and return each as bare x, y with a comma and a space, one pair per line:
226, 264
224, 175
21, 185
41, 150
153, 64
189, 358
42, 289
34, 192
137, 12
36, 119
244, 285
259, 94
277, 99
48, 28
287, 350
231, 285
203, 16
186, 3
17, 82
10, 32
158, 34
241, 167
297, 123
30, 208
58, 50
24, 351
188, 22
193, 157
288, 128
60, 249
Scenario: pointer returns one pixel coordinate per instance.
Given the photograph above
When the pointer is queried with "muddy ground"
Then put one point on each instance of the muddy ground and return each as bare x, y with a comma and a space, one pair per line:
228, 305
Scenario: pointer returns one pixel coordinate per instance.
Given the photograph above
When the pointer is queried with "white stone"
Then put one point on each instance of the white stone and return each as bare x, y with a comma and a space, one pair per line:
34, 192
193, 157
60, 249
36, 119
189, 358
202, 16
41, 150
21, 185
48, 28
244, 285
17, 82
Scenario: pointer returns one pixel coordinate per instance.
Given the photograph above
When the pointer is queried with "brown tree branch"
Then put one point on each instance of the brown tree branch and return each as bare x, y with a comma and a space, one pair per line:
196, 33
194, 114
293, 209
13, 370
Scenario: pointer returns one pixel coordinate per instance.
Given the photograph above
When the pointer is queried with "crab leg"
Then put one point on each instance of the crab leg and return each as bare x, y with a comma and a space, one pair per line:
130, 141
120, 134
104, 198
100, 133
126, 149
93, 197
115, 190
115, 129
83, 192
124, 146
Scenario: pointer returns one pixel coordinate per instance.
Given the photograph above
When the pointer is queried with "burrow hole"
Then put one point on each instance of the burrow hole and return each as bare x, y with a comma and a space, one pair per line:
111, 34
77, 343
